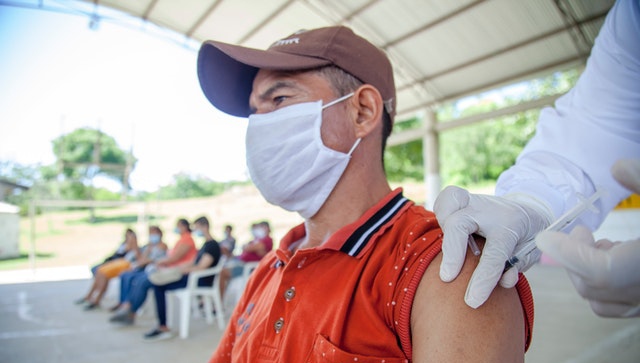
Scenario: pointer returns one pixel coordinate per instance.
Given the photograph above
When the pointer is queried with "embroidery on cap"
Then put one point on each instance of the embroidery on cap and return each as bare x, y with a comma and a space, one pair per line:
290, 40
286, 42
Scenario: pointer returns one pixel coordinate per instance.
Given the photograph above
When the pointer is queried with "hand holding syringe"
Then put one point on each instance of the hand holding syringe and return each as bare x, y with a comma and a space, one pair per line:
558, 225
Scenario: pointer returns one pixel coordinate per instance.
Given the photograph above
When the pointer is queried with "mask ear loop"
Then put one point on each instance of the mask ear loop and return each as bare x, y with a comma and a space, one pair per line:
354, 146
338, 100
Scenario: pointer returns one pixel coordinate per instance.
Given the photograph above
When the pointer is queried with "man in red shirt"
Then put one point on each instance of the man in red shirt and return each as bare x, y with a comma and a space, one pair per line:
358, 280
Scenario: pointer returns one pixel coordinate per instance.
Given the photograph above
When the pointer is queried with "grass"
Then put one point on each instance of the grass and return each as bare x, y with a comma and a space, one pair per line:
22, 261
125, 218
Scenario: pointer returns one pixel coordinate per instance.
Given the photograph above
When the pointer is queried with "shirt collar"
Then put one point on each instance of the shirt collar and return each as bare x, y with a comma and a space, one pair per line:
353, 238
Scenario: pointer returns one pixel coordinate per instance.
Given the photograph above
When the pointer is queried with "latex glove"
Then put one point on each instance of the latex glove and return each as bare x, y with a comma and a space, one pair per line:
604, 272
506, 223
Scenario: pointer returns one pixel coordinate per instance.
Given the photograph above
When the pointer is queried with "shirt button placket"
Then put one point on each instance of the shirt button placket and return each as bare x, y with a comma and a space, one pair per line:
290, 294
277, 326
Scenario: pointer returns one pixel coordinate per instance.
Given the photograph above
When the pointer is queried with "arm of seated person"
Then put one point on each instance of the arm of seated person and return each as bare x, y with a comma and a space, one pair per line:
445, 329
144, 259
179, 252
259, 248
205, 262
225, 251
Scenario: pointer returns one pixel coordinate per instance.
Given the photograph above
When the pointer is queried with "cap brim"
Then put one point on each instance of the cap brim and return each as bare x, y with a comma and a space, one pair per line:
226, 72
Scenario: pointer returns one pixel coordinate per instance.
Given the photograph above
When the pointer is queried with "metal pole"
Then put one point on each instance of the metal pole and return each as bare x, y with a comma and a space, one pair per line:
431, 157
32, 235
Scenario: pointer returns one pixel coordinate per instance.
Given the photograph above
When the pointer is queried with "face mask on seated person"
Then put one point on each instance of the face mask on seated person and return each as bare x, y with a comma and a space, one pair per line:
288, 161
260, 233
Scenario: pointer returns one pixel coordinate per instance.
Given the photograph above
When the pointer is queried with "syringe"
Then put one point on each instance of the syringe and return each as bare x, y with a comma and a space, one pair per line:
558, 225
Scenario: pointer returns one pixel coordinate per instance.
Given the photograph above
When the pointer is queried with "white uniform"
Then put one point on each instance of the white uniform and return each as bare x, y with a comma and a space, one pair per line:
592, 126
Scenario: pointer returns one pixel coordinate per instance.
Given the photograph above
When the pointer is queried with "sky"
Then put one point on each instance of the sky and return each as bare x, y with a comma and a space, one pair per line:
58, 75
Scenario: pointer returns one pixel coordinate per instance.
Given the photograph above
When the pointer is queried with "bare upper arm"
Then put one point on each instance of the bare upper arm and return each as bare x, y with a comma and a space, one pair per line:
205, 262
445, 329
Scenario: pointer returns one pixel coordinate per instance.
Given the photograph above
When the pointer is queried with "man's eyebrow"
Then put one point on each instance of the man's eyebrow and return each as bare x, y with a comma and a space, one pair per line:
266, 95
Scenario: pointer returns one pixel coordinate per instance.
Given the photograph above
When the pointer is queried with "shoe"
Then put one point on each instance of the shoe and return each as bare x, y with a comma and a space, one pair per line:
114, 308
157, 334
91, 306
80, 301
124, 318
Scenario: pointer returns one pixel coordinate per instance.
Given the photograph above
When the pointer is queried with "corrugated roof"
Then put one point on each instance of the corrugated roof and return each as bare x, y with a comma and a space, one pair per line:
441, 49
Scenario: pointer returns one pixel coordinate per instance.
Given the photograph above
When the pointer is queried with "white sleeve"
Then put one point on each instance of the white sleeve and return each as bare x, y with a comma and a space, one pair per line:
596, 123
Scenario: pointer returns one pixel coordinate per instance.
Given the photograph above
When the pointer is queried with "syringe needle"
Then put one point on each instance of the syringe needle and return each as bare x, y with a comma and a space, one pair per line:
473, 245
558, 225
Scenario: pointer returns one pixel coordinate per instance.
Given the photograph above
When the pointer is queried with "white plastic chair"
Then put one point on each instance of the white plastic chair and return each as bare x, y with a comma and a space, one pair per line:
247, 269
187, 297
237, 285
113, 293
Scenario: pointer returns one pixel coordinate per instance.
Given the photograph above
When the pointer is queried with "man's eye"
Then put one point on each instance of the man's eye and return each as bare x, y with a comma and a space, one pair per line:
279, 99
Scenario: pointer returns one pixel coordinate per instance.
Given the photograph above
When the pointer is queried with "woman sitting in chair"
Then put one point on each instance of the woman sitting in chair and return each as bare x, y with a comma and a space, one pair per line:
208, 256
110, 269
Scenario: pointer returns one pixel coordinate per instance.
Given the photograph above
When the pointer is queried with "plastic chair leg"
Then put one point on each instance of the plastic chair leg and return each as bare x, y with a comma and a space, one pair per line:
185, 314
208, 307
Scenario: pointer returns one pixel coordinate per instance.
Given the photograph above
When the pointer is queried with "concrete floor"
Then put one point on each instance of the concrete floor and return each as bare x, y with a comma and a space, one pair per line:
39, 323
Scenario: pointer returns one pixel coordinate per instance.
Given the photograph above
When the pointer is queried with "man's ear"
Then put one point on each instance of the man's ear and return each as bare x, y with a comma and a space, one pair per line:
368, 103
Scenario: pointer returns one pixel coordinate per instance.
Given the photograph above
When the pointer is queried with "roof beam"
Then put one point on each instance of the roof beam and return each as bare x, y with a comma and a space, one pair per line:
491, 85
573, 26
265, 21
148, 10
432, 24
322, 11
406, 136
359, 10
202, 18
504, 50
505, 111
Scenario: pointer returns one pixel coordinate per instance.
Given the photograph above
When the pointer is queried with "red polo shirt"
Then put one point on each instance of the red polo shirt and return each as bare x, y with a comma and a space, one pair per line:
348, 300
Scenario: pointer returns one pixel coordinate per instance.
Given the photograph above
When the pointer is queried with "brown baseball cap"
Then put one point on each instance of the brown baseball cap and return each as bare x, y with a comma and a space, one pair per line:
226, 71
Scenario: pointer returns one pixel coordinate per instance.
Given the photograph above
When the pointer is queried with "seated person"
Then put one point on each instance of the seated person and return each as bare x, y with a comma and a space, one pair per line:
155, 250
358, 280
208, 256
251, 252
228, 243
183, 252
110, 269
120, 252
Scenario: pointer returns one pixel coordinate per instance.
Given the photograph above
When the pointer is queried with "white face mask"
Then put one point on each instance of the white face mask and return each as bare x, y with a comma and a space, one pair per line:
260, 233
287, 160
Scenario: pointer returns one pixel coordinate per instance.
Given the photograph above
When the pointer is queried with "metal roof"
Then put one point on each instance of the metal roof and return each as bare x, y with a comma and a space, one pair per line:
442, 50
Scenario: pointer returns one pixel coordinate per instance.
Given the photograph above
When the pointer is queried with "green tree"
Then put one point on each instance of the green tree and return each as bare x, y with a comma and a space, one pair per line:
478, 153
191, 186
85, 153
405, 161
39, 179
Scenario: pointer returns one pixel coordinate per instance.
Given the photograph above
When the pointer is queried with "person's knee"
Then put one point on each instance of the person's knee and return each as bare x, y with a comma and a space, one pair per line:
225, 273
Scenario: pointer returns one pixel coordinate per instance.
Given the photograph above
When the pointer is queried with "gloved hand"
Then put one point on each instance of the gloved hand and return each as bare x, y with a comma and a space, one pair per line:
604, 272
506, 223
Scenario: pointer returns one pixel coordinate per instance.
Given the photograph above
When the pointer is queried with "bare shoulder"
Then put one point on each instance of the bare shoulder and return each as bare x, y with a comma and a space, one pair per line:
444, 328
